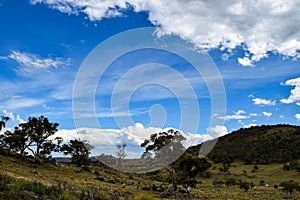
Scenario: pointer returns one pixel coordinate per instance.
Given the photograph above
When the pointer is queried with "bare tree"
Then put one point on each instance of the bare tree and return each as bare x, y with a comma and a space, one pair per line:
121, 154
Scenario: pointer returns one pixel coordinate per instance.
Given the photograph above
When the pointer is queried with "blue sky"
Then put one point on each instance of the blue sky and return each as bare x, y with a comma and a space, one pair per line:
44, 43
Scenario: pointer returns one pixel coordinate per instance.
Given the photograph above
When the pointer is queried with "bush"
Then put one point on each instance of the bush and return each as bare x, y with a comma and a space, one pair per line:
286, 167
262, 183
218, 183
246, 185
289, 186
206, 174
294, 164
86, 168
67, 196
230, 182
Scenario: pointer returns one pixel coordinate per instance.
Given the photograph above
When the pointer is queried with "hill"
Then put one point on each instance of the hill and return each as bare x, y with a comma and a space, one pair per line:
262, 178
261, 144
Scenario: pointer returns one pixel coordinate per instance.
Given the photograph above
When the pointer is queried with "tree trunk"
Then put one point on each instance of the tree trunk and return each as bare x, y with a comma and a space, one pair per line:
174, 181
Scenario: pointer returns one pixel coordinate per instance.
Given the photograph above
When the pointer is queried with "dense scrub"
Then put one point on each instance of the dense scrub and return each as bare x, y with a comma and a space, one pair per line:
261, 144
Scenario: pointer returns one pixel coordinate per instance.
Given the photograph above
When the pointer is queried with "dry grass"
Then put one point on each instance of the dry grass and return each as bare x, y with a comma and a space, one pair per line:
109, 182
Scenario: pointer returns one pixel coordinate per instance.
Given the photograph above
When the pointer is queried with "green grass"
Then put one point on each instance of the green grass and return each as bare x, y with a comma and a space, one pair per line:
66, 181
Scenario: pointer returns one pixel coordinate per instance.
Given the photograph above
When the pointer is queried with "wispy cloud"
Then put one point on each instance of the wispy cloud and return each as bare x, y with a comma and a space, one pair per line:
295, 93
240, 114
227, 25
30, 64
16, 103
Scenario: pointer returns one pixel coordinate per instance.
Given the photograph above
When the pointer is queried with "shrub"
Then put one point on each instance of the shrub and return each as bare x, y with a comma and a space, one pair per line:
289, 186
294, 164
230, 182
262, 183
218, 183
67, 196
206, 174
86, 168
246, 185
286, 167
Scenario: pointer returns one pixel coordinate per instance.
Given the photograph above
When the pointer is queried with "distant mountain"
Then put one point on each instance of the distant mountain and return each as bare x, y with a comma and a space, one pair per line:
68, 159
261, 144
62, 159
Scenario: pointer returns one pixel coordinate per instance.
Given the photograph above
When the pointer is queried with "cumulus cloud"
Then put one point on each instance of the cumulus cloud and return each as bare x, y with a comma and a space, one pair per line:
267, 114
9, 114
250, 125
245, 62
30, 64
14, 118
295, 93
297, 117
263, 102
218, 131
105, 140
259, 27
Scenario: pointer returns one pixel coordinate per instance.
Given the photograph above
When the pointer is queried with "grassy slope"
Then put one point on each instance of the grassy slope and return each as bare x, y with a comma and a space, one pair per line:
70, 176
108, 181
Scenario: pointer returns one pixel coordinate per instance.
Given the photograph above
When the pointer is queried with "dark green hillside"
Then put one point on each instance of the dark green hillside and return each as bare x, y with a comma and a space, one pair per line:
262, 144
23, 178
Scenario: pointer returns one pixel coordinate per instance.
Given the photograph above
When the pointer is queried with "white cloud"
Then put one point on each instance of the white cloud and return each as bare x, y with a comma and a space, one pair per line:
15, 103
9, 114
297, 117
105, 140
250, 125
267, 114
240, 114
31, 64
13, 118
245, 62
260, 27
264, 102
218, 131
253, 114
295, 93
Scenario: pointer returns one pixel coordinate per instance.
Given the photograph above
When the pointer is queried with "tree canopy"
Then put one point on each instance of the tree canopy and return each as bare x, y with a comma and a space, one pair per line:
3, 120
33, 137
166, 146
79, 151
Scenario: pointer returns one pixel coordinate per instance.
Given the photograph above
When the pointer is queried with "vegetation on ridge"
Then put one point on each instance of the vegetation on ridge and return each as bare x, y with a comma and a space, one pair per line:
227, 172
